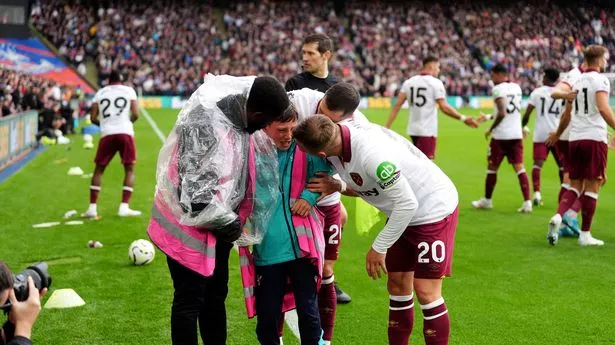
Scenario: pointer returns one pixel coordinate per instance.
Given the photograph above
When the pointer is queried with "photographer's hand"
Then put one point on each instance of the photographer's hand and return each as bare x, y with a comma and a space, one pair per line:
23, 314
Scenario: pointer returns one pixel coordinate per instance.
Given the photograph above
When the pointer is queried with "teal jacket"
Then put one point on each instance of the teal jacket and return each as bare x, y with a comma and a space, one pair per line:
279, 243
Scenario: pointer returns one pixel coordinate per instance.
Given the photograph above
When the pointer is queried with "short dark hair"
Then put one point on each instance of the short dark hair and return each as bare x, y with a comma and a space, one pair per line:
344, 97
551, 74
289, 114
323, 41
429, 60
316, 132
593, 52
115, 77
500, 69
6, 277
269, 97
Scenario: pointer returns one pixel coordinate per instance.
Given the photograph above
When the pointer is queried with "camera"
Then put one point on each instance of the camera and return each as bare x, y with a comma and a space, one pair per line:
40, 275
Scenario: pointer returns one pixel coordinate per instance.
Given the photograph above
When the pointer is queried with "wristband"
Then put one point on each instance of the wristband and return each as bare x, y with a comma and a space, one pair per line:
462, 118
343, 186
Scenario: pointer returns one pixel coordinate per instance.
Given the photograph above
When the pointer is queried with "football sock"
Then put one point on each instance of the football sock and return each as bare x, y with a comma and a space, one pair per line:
568, 198
492, 178
525, 184
327, 305
94, 190
401, 319
588, 200
436, 323
562, 190
575, 208
126, 194
536, 178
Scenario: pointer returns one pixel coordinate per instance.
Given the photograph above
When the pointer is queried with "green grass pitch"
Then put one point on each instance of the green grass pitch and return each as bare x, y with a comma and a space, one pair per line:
508, 286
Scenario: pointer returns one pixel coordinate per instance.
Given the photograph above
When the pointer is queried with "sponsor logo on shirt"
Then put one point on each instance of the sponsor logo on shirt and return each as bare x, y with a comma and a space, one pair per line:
385, 171
356, 178
391, 181
372, 192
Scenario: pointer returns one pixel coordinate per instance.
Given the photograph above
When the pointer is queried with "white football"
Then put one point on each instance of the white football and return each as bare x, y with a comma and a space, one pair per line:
141, 252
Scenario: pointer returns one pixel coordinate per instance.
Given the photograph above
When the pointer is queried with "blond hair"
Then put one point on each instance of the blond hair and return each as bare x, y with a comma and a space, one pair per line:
593, 53
316, 132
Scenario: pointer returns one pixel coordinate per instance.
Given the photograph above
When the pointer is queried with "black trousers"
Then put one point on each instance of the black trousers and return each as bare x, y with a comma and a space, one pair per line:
200, 298
269, 294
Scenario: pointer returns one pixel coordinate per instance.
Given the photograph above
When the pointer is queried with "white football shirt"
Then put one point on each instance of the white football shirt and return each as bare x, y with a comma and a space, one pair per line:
306, 103
548, 112
510, 127
422, 91
114, 109
394, 176
586, 122
570, 78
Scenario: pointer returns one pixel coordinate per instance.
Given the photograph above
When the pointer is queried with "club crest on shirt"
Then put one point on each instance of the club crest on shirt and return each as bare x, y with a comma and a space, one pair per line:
358, 180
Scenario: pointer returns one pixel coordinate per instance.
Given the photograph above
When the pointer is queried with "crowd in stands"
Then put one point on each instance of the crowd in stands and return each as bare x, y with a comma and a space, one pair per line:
57, 105
257, 44
527, 38
391, 41
166, 47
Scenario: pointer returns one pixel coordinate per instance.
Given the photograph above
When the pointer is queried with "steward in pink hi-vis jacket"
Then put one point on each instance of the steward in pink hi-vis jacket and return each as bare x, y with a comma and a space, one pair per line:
203, 179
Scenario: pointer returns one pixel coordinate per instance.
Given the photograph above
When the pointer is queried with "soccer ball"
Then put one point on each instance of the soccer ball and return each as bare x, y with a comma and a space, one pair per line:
141, 252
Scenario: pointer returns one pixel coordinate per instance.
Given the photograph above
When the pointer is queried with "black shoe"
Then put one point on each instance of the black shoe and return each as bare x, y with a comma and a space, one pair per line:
342, 297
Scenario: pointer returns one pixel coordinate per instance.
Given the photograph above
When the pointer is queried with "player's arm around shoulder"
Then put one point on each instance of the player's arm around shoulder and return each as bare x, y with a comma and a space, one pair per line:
563, 90
317, 168
603, 89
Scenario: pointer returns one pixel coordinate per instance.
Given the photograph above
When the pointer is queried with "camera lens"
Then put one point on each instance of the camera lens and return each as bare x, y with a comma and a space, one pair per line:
40, 275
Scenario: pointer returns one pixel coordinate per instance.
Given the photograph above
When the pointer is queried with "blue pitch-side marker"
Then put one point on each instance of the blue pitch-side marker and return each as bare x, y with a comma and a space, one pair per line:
15, 167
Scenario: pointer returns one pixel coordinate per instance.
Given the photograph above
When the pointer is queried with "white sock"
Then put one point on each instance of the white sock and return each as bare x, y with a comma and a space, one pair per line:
124, 206
92, 208
537, 195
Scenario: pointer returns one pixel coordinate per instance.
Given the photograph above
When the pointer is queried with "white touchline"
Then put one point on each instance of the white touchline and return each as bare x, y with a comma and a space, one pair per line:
153, 124
293, 322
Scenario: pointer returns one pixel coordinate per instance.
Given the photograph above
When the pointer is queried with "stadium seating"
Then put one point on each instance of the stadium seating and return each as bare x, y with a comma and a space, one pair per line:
167, 47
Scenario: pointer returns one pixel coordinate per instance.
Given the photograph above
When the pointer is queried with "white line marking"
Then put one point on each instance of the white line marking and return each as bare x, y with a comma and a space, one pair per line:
153, 124
293, 322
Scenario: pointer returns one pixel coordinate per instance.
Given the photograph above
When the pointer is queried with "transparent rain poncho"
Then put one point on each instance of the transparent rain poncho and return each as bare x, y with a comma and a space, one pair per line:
203, 166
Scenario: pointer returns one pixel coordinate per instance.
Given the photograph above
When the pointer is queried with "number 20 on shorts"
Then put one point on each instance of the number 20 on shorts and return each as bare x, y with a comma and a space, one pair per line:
438, 252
